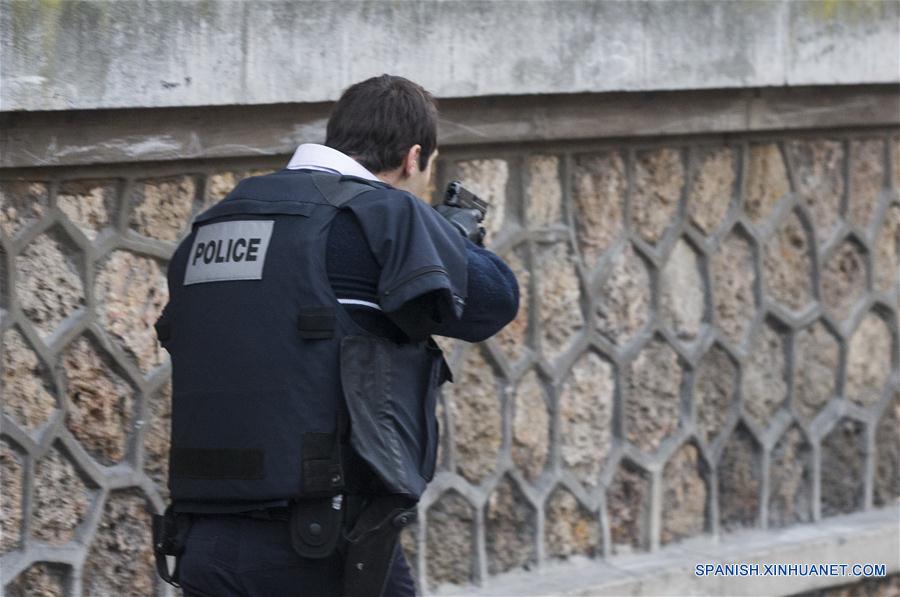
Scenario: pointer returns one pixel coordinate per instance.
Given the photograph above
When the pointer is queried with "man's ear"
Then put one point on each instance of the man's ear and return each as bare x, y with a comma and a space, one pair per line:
411, 162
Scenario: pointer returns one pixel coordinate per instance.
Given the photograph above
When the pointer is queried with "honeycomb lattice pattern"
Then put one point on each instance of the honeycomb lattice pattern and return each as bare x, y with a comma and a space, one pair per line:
707, 341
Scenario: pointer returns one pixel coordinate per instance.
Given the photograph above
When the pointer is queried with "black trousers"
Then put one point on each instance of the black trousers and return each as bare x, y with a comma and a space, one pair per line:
229, 556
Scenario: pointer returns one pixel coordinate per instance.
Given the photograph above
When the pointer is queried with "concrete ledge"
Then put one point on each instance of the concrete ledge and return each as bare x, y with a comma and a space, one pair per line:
868, 537
108, 136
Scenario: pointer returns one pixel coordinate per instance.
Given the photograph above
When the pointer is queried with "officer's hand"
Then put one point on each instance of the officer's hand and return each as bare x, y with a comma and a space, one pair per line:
467, 221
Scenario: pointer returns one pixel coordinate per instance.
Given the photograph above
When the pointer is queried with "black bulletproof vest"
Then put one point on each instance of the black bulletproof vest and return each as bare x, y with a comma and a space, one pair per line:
255, 335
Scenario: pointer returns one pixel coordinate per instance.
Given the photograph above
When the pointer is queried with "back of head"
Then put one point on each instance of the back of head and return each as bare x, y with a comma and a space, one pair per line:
376, 121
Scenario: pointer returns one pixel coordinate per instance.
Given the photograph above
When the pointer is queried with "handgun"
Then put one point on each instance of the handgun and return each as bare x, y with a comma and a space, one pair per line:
465, 210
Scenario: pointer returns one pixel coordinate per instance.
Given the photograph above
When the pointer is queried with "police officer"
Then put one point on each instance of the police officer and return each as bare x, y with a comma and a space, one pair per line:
299, 323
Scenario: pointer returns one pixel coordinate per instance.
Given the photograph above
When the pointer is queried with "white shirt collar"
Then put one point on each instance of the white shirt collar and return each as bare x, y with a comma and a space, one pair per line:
312, 156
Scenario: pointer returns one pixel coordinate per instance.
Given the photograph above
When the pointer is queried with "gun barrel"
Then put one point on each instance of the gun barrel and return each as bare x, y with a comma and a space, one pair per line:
458, 196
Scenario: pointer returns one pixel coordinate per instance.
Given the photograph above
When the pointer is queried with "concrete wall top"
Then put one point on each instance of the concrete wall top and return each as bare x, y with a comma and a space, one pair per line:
79, 55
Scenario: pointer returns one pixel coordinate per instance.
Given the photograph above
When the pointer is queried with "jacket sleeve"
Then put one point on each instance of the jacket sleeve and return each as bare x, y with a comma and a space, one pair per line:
492, 302
493, 298
418, 251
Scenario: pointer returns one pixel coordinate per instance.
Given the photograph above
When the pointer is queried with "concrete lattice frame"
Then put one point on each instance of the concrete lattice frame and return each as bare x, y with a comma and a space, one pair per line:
516, 235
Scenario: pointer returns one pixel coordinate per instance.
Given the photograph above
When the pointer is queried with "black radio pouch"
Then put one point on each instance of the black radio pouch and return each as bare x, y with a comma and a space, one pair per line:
316, 526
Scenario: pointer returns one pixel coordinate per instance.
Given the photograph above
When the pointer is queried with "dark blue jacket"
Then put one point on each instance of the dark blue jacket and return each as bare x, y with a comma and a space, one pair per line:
264, 357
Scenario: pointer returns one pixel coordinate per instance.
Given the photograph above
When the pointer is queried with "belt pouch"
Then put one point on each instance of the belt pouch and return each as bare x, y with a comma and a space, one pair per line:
315, 526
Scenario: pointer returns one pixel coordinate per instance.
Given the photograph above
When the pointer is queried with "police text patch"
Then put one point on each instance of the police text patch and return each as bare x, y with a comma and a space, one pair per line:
229, 251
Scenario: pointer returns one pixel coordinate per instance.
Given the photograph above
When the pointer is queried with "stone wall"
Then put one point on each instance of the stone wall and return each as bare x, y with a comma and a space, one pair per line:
88, 55
707, 342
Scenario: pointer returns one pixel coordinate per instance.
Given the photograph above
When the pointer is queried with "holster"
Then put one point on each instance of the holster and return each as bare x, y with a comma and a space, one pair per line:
170, 532
370, 545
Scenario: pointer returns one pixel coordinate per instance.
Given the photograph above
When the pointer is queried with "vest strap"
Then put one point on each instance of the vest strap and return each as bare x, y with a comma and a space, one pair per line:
338, 191
196, 463
316, 323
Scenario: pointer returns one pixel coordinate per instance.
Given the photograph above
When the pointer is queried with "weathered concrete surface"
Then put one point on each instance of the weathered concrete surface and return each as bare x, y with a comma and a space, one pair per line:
138, 53
102, 136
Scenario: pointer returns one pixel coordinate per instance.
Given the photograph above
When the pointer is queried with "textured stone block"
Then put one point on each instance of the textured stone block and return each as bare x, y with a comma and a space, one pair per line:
570, 528
787, 265
475, 418
441, 461
766, 181
157, 438
844, 279
531, 427
60, 501
658, 185
162, 207
27, 393
623, 301
487, 179
887, 250
895, 153
628, 506
817, 358
764, 380
131, 292
410, 546
11, 512
868, 360
48, 281
261, 171
685, 495
733, 276
740, 481
887, 454
101, 402
450, 541
790, 480
513, 339
447, 344
543, 192
559, 300
681, 293
600, 185
585, 417
4, 281
41, 579
21, 204
653, 403
712, 187
510, 534
218, 185
89, 204
867, 179
120, 560
714, 389
843, 468
818, 166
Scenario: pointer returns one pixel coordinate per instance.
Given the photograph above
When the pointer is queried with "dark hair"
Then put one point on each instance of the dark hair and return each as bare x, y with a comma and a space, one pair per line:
376, 121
